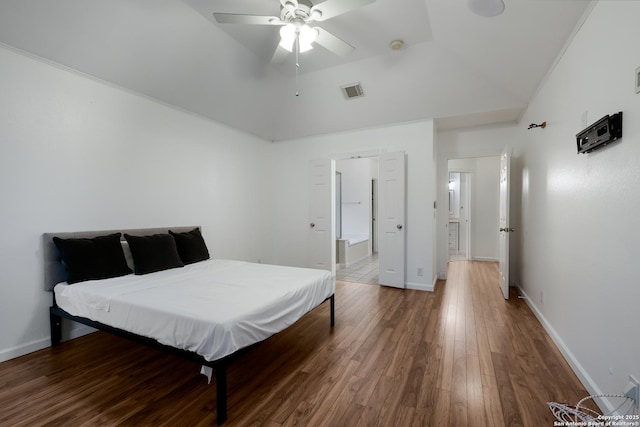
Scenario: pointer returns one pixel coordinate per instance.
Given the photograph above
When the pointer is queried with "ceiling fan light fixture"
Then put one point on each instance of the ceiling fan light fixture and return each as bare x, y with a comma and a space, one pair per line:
486, 8
295, 34
315, 15
306, 36
288, 35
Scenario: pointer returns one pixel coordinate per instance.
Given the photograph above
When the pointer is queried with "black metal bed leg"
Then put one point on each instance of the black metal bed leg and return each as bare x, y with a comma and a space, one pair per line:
55, 322
333, 311
221, 392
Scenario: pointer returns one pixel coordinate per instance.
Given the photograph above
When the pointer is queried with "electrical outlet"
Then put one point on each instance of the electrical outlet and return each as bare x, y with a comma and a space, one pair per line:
420, 272
638, 80
541, 297
632, 390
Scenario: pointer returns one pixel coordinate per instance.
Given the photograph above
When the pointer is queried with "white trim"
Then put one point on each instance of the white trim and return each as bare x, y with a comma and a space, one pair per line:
442, 177
21, 350
30, 347
484, 259
420, 286
576, 367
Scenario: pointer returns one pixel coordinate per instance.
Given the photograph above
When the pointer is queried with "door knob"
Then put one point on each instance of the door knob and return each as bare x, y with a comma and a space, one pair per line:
399, 227
312, 225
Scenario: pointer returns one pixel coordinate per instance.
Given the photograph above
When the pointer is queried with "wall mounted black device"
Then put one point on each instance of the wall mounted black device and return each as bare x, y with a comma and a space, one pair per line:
601, 133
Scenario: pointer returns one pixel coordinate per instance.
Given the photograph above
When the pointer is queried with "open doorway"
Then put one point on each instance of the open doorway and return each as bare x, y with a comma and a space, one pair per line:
459, 236
474, 208
356, 227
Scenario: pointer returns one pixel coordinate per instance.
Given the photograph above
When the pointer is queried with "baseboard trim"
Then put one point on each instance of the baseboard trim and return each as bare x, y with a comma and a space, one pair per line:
30, 347
487, 259
592, 388
419, 286
21, 350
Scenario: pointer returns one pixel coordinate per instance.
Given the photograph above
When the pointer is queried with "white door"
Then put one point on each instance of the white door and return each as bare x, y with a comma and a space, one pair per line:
321, 236
374, 215
505, 170
391, 219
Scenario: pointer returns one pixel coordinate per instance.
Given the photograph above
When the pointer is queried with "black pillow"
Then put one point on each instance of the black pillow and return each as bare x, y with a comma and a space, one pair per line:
153, 253
191, 246
89, 259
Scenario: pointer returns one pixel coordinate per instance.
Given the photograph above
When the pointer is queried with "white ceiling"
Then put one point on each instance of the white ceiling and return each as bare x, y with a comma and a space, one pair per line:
457, 67
369, 28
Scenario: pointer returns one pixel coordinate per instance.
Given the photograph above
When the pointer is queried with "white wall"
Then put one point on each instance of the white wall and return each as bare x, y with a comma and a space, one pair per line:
579, 237
78, 154
575, 215
291, 176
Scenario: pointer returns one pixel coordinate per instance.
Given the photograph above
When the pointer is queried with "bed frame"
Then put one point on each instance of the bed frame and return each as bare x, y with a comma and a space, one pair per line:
55, 273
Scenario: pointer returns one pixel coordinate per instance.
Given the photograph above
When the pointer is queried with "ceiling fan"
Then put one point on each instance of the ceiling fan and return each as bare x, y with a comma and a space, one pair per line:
295, 32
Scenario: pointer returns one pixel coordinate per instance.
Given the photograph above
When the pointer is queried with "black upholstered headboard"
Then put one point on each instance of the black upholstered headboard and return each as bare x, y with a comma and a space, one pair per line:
54, 271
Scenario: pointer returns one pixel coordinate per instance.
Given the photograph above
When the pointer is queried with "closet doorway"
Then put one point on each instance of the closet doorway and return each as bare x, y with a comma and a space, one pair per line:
356, 228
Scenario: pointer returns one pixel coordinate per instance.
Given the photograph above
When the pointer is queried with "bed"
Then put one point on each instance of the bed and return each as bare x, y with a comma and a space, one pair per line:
178, 300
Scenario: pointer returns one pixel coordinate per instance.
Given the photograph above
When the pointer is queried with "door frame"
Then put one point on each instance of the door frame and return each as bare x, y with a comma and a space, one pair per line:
505, 222
374, 215
334, 158
349, 156
442, 197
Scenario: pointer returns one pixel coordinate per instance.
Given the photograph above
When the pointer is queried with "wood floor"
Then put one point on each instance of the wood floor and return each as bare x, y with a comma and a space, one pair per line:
460, 356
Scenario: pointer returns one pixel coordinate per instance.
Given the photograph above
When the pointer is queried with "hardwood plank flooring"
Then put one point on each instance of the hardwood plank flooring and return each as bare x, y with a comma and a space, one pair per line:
459, 356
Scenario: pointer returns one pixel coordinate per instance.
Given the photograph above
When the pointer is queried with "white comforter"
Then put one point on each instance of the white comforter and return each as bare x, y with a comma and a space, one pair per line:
213, 308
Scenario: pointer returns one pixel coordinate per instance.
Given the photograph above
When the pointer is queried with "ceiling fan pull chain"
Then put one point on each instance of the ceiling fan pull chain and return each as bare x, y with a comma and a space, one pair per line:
297, 64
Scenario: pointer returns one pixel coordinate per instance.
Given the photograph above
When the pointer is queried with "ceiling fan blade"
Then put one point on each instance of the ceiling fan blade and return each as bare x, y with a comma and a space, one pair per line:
235, 18
330, 8
279, 55
333, 43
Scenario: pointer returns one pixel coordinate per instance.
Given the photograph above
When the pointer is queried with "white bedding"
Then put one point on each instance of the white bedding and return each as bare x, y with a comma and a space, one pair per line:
213, 307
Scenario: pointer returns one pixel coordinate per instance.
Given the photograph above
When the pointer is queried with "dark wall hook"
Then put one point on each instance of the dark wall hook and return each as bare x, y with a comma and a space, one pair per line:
541, 125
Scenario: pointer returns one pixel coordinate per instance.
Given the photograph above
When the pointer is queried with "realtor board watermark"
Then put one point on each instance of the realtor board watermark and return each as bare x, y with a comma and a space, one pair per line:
604, 421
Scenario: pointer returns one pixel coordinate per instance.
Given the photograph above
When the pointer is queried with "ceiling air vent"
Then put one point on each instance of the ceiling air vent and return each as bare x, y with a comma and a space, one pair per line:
352, 91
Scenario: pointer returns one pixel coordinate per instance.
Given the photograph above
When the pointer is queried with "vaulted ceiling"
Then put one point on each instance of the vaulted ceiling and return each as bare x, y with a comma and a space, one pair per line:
456, 66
